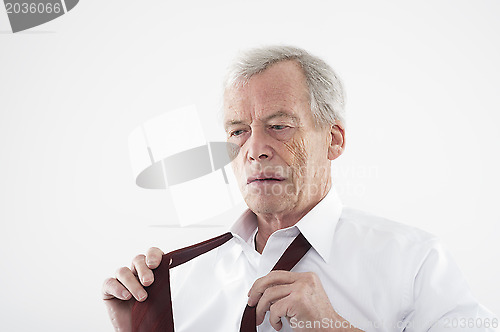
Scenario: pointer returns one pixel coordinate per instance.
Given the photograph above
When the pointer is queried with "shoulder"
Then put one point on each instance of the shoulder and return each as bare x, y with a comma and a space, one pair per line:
367, 225
379, 238
384, 247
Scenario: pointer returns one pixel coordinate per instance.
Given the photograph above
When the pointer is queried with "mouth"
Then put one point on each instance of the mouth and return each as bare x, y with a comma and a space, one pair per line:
265, 179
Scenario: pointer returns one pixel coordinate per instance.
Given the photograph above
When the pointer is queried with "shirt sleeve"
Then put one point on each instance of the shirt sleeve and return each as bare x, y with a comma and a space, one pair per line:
442, 300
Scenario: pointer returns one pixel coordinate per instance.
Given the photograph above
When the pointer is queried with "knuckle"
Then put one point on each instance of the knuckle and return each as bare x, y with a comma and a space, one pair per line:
267, 293
108, 284
138, 259
259, 280
122, 271
153, 256
312, 278
256, 285
110, 288
274, 309
302, 282
156, 250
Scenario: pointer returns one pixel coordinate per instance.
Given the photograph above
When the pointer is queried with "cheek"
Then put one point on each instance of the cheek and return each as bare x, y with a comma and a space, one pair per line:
236, 165
238, 169
297, 154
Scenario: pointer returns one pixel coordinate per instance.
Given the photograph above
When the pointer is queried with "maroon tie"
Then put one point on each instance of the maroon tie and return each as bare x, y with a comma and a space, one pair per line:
155, 314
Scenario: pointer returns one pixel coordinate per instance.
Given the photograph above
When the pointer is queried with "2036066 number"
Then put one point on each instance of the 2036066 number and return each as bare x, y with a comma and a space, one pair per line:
33, 8
470, 323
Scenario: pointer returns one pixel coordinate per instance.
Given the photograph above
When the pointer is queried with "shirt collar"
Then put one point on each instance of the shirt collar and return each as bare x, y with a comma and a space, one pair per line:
317, 226
245, 226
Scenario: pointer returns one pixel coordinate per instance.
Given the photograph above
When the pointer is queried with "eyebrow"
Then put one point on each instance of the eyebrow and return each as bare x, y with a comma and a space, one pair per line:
279, 114
282, 114
232, 123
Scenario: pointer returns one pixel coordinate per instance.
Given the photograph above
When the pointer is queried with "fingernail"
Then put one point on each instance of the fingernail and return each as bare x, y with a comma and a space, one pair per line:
142, 295
150, 262
126, 295
146, 280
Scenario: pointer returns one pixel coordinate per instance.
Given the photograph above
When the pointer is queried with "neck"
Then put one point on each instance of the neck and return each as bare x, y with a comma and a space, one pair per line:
271, 222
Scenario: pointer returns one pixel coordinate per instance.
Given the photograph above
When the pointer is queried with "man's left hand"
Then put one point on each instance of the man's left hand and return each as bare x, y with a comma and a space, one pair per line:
294, 295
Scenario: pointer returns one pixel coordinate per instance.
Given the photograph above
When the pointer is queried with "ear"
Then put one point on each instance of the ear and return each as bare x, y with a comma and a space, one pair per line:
337, 143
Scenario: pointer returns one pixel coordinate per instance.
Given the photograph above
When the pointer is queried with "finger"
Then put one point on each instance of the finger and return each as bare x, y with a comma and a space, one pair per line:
112, 288
153, 257
270, 296
142, 271
271, 279
132, 267
276, 311
129, 280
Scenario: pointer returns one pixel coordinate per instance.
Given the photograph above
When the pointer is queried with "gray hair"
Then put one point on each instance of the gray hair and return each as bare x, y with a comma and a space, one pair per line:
326, 92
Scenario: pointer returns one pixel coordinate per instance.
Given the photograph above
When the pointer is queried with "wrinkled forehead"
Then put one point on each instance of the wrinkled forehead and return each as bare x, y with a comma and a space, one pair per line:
281, 87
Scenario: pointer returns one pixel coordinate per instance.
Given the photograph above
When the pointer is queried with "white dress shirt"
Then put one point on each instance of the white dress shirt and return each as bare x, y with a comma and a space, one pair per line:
379, 275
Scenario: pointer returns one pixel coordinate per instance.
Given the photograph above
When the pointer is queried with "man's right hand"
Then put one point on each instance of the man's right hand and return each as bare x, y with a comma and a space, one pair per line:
118, 293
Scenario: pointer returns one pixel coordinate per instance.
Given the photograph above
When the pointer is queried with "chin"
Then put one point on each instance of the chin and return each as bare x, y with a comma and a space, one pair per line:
266, 203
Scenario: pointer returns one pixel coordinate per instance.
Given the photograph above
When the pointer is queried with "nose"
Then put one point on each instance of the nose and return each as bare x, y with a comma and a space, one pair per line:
258, 146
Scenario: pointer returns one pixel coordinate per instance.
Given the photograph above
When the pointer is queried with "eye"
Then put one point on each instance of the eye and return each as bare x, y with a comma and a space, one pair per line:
237, 132
279, 127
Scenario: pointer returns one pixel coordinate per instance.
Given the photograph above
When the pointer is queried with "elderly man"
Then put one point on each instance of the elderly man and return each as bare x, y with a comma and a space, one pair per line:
284, 108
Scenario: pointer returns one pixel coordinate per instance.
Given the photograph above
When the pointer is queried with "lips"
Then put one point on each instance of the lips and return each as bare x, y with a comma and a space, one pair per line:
263, 178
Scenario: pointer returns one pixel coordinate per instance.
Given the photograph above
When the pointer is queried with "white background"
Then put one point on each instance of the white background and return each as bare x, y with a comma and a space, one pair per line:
422, 79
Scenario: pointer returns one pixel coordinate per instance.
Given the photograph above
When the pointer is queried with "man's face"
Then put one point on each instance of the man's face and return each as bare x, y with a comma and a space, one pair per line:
283, 164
